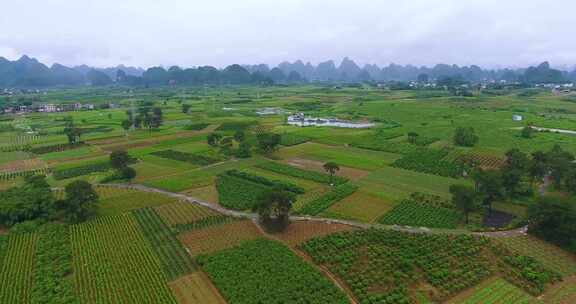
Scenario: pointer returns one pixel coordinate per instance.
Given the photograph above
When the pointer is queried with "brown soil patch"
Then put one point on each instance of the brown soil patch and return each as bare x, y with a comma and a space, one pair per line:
195, 288
300, 231
22, 165
216, 238
350, 173
206, 193
561, 293
127, 146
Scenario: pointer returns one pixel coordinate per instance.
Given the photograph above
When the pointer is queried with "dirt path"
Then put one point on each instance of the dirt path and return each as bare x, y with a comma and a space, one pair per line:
253, 216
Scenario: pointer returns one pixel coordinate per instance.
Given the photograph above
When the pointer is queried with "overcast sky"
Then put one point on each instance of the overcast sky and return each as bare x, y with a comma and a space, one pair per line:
489, 33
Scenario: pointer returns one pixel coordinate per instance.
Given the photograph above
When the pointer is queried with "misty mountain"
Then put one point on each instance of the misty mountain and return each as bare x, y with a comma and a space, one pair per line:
29, 72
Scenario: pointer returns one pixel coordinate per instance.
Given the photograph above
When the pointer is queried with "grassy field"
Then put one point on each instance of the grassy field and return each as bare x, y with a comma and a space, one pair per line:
144, 247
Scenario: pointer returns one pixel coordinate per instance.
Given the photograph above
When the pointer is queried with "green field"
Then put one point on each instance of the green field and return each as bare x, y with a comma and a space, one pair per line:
148, 247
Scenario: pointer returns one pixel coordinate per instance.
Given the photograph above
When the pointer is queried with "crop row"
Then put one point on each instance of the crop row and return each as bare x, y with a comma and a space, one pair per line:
55, 148
289, 139
85, 169
183, 212
17, 267
411, 213
81, 170
381, 266
553, 257
52, 266
16, 174
388, 146
324, 202
113, 263
428, 161
498, 291
265, 181
203, 223
196, 127
238, 193
173, 257
193, 158
265, 271
301, 173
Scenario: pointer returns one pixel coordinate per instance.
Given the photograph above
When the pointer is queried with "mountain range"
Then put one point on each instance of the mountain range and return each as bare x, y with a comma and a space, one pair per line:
29, 72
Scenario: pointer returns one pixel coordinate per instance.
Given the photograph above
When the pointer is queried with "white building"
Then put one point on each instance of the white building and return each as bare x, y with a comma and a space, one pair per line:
517, 117
302, 121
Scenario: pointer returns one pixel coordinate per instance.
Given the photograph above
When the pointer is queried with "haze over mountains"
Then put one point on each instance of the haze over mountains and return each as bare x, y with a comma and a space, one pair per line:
29, 72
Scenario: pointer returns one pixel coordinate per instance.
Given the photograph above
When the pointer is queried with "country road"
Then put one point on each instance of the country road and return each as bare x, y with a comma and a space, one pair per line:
254, 216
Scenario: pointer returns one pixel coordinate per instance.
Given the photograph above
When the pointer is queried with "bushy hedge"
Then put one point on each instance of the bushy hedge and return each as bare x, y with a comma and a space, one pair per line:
196, 159
325, 201
196, 127
55, 148
301, 173
265, 181
238, 193
81, 170
235, 125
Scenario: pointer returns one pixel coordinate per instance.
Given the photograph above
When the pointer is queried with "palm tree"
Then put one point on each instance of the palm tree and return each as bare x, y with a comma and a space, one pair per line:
331, 168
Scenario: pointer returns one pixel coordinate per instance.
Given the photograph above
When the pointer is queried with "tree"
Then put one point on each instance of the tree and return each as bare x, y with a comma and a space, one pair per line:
126, 125
553, 219
185, 108
71, 131
268, 142
511, 179
127, 173
274, 209
464, 199
516, 160
489, 185
412, 136
465, 137
213, 139
226, 145
331, 168
34, 199
80, 202
119, 159
527, 132
244, 150
559, 162
239, 136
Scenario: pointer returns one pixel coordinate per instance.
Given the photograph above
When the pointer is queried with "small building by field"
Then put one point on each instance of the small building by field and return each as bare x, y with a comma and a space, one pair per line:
517, 117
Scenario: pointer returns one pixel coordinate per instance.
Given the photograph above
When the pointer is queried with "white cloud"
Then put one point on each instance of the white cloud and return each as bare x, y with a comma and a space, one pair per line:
221, 32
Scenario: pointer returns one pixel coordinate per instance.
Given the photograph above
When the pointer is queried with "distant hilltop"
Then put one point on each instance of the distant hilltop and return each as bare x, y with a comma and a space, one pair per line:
29, 72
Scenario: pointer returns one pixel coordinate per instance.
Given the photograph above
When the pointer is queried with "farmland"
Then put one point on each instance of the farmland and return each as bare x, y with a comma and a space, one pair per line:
199, 239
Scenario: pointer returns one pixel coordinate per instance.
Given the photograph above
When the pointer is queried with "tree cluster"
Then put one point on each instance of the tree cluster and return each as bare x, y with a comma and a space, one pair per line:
35, 201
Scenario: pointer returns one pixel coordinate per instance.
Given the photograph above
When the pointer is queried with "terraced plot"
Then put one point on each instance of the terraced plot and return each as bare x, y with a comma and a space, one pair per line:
497, 291
360, 206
